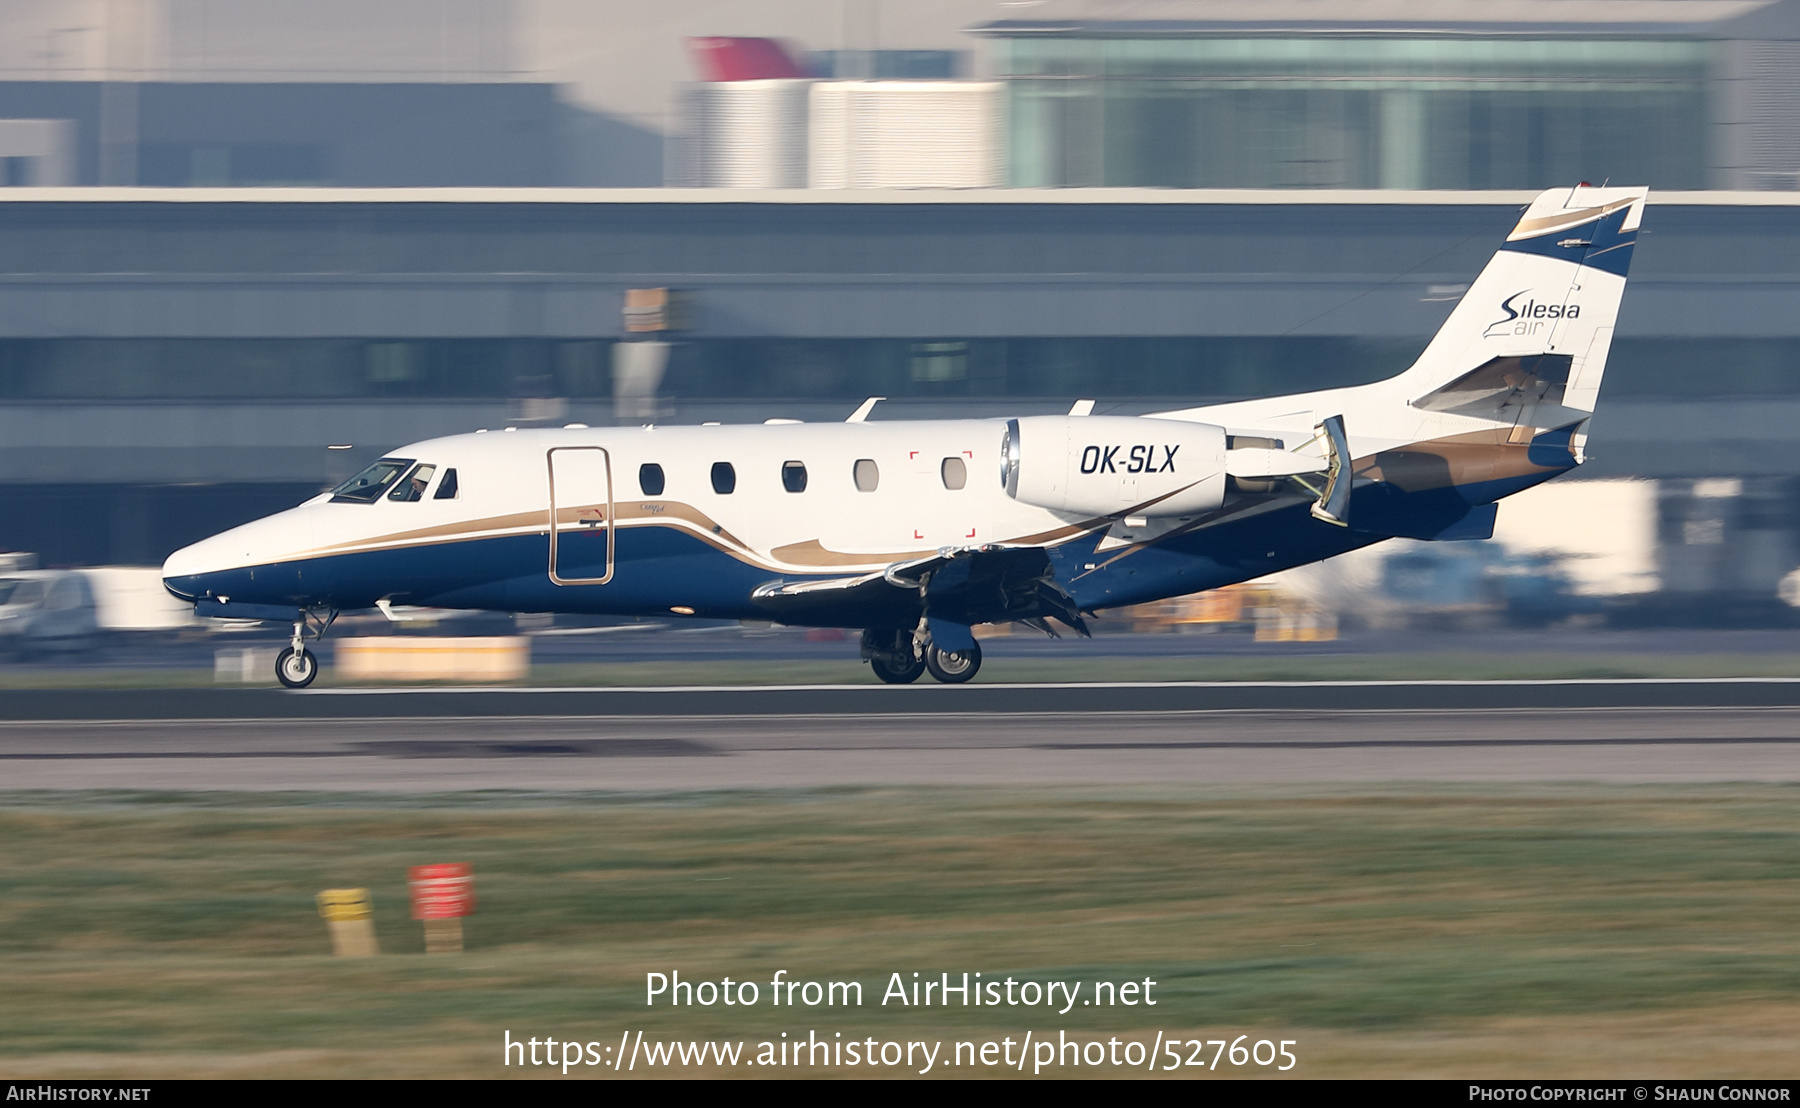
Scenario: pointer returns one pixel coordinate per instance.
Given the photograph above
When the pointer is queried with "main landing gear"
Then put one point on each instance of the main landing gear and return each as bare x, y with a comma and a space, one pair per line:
296, 667
953, 667
898, 659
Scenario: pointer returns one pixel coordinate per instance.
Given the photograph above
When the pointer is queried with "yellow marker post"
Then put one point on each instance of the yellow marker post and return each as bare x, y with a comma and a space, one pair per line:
349, 916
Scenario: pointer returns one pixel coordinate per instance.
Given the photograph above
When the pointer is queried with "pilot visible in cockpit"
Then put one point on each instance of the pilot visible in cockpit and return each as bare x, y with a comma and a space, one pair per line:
412, 487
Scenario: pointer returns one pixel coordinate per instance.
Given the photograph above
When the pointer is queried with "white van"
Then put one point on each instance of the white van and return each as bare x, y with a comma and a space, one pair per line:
46, 611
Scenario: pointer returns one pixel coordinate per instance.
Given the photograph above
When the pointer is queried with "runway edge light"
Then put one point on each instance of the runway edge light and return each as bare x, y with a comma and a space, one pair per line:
349, 916
441, 895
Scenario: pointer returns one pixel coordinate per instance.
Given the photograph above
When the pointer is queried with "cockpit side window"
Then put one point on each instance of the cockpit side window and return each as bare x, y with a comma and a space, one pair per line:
446, 487
367, 486
415, 483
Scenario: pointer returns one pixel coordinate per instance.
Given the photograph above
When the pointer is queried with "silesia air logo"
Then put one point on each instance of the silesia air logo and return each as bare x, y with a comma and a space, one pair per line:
1529, 318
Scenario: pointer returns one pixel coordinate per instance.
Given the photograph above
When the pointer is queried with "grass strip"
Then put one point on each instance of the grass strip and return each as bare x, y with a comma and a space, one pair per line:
1395, 929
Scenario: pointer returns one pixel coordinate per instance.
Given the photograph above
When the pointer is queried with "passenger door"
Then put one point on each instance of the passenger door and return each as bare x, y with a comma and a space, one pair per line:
581, 512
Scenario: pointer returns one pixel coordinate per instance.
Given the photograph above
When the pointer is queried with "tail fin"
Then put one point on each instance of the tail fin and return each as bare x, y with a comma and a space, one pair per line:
1540, 317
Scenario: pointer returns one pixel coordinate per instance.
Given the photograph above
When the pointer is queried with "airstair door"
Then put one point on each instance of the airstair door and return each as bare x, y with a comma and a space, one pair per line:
581, 513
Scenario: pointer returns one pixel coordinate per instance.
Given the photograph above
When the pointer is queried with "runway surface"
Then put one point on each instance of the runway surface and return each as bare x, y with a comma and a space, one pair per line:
925, 698
636, 740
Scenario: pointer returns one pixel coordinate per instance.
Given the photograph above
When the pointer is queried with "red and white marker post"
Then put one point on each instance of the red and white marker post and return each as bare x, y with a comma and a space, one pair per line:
441, 896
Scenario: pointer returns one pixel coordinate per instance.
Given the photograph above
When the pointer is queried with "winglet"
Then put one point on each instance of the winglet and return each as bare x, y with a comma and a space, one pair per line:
861, 414
1082, 407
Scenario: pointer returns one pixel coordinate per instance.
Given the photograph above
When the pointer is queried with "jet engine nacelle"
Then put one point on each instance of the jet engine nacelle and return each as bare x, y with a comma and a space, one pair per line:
1114, 465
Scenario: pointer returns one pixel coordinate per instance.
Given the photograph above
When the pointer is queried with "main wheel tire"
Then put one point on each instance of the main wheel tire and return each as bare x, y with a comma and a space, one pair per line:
953, 667
296, 671
894, 673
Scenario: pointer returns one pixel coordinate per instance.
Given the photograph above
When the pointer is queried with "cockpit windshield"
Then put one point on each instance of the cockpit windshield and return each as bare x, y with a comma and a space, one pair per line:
367, 486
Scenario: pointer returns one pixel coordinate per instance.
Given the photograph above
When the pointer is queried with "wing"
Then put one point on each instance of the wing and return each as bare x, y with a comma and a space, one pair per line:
988, 584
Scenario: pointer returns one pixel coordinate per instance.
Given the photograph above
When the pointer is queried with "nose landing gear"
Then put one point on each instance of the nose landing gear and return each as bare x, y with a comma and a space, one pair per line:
296, 667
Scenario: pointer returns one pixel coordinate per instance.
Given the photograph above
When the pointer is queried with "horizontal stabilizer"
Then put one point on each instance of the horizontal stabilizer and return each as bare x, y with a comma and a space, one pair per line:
1502, 386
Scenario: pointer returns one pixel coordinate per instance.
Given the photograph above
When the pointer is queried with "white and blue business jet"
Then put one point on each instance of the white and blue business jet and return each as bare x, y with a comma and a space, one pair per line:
916, 531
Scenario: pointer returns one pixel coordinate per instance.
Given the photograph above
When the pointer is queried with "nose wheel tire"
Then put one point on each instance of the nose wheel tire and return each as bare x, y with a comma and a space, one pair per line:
953, 667
296, 669
895, 672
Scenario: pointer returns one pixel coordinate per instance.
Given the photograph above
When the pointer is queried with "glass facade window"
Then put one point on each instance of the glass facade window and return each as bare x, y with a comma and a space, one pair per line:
87, 370
301, 369
1354, 111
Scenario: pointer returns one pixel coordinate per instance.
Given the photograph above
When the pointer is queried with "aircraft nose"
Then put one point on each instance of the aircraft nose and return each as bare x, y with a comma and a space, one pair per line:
186, 572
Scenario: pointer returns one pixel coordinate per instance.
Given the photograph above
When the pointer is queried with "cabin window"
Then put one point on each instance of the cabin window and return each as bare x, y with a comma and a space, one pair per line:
446, 487
415, 484
724, 478
367, 486
650, 479
793, 476
954, 473
868, 475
